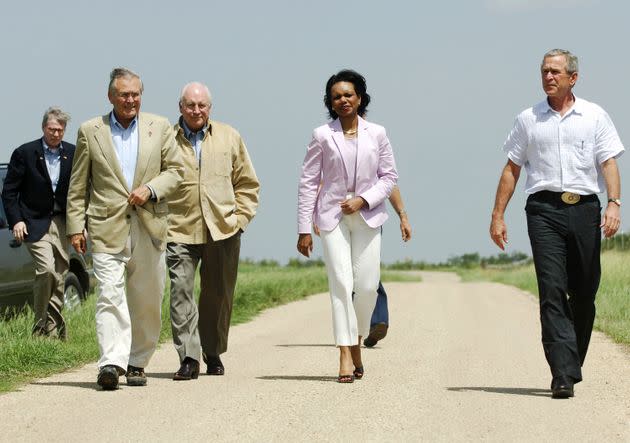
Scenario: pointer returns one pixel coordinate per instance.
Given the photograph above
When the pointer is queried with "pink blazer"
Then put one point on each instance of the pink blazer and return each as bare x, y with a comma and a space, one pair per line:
324, 163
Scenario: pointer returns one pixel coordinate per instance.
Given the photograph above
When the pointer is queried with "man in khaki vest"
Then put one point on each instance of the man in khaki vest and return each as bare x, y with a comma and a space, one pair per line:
214, 205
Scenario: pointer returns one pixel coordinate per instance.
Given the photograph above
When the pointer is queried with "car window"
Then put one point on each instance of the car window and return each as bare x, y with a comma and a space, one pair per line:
3, 216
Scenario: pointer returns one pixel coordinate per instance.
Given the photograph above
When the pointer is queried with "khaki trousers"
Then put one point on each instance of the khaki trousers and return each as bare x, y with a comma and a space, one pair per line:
128, 307
202, 329
50, 255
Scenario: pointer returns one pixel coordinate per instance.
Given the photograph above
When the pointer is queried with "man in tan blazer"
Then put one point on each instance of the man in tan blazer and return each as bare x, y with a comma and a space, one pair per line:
125, 167
214, 205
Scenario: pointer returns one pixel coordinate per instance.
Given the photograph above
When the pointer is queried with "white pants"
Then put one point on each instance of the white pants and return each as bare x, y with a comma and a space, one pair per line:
128, 310
352, 252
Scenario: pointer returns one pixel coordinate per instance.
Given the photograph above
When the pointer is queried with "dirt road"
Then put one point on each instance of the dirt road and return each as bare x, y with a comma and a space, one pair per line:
462, 362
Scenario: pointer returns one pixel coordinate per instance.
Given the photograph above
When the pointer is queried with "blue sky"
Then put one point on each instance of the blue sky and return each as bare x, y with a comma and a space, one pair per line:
446, 78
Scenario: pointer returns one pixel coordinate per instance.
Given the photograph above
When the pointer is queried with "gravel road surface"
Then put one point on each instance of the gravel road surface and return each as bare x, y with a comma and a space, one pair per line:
461, 362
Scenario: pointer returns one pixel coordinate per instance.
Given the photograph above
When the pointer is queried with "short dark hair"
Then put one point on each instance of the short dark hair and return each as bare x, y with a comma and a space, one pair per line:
348, 75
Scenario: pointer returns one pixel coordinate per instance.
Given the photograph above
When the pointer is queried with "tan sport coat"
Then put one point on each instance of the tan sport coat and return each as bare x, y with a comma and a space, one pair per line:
220, 194
98, 192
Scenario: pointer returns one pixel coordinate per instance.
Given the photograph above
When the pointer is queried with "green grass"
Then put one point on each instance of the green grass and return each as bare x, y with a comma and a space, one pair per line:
613, 297
23, 358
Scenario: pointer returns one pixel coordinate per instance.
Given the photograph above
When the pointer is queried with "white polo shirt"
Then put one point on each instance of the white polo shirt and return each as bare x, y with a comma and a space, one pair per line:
563, 153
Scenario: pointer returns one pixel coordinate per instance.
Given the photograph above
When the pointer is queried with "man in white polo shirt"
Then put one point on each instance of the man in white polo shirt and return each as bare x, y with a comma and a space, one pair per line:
568, 147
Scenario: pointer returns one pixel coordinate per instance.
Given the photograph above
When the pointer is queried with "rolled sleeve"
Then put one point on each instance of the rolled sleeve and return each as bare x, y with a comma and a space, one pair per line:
607, 142
516, 144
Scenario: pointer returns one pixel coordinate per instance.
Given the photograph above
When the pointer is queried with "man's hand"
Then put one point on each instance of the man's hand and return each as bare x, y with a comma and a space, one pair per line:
305, 244
139, 196
352, 205
405, 227
78, 243
19, 231
498, 232
611, 221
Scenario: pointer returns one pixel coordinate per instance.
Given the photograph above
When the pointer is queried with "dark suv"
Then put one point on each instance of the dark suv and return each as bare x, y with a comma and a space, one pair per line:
17, 269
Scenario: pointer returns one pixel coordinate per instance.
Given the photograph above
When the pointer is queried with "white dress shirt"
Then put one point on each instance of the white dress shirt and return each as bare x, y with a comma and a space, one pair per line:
563, 153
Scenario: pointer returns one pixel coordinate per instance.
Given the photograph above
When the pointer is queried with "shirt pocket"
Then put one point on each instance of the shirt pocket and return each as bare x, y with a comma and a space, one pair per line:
221, 163
584, 152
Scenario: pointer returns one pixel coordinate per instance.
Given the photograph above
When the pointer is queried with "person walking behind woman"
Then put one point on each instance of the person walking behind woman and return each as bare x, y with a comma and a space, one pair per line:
353, 161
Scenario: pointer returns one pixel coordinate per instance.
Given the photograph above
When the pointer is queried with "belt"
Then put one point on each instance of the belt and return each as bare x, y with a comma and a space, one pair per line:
568, 198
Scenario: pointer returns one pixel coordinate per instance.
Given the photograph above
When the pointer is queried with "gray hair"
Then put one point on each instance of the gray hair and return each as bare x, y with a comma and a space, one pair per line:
572, 60
57, 114
198, 85
122, 73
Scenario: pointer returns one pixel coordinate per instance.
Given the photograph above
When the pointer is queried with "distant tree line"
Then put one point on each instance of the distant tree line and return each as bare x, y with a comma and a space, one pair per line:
467, 261
620, 242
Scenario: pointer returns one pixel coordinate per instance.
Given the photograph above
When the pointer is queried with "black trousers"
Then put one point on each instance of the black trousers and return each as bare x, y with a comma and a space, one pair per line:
566, 243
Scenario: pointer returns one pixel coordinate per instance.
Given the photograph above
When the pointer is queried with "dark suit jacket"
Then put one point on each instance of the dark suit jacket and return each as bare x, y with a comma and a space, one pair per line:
27, 194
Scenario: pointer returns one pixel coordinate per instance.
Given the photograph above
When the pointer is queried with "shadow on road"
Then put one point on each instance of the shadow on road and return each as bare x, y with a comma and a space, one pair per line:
167, 375
535, 392
298, 377
74, 384
307, 345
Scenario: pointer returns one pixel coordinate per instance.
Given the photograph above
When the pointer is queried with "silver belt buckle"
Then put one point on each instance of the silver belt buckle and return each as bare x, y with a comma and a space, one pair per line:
570, 198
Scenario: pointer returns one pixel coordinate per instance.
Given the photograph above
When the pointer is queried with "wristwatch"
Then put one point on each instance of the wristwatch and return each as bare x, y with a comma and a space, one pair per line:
615, 201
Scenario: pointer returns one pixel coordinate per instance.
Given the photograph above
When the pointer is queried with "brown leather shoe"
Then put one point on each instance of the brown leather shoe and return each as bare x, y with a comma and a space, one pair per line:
377, 332
188, 370
215, 366
136, 376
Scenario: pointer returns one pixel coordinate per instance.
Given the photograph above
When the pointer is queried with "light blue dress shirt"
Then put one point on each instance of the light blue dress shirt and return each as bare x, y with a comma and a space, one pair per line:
126, 146
195, 138
53, 163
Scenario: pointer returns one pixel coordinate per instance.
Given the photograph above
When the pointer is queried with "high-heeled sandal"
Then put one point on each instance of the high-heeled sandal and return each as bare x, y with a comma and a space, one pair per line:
358, 372
345, 378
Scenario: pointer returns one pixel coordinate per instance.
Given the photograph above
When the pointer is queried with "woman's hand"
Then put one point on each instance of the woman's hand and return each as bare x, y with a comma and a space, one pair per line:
305, 244
352, 205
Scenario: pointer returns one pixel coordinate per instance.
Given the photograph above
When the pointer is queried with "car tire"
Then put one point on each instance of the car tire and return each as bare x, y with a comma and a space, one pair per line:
73, 293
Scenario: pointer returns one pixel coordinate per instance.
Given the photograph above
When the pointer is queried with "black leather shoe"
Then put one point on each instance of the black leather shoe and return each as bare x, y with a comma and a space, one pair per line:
562, 387
377, 332
108, 377
188, 370
136, 376
215, 366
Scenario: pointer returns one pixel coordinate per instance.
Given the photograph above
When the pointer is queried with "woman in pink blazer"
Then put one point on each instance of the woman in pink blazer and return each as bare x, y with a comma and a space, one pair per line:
347, 174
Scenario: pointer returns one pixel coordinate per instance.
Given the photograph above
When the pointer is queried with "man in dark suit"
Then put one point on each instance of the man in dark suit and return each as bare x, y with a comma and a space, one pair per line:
34, 197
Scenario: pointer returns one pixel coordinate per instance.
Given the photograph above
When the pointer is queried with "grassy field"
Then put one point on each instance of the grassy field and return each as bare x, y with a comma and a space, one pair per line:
23, 358
613, 297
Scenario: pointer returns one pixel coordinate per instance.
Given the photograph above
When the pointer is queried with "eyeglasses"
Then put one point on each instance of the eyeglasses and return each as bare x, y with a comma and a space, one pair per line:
201, 106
